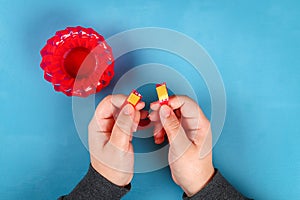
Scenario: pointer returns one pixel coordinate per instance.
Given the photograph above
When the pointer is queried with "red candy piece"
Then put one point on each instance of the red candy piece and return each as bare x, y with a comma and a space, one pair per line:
77, 61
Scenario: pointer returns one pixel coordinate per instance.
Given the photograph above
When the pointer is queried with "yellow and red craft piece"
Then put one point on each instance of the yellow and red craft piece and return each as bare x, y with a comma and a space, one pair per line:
162, 93
134, 98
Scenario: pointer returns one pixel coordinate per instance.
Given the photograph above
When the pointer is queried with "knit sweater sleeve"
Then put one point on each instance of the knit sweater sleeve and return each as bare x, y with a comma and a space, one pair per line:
217, 188
94, 186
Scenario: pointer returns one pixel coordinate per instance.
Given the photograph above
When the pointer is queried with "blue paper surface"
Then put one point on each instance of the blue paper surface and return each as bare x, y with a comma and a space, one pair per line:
255, 45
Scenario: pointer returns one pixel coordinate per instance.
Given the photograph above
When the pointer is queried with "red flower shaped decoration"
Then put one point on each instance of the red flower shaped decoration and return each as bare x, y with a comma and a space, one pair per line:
77, 61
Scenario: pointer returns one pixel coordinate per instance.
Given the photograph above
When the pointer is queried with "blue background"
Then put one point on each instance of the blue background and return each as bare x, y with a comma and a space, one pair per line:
255, 46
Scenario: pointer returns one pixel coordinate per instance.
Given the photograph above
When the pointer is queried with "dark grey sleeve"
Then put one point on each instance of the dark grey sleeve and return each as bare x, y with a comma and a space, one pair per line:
94, 186
217, 188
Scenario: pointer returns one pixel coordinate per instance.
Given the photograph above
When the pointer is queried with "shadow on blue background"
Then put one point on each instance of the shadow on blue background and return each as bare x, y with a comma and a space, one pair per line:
255, 46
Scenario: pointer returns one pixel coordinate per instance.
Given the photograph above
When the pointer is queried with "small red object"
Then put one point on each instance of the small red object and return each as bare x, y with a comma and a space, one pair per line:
134, 98
77, 61
144, 122
162, 93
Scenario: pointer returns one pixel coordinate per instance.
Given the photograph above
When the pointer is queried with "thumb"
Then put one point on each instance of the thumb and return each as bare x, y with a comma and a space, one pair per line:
123, 128
176, 134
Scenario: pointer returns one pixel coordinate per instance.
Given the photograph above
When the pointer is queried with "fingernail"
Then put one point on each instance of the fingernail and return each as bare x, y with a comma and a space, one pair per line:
154, 105
165, 111
128, 109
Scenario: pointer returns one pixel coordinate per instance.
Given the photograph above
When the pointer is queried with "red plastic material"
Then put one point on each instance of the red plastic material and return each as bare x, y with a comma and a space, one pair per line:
77, 61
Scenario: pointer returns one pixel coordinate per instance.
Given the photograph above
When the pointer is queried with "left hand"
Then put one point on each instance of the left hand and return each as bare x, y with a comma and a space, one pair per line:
110, 136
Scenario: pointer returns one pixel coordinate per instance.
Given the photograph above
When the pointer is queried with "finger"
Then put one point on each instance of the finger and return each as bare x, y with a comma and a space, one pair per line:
188, 107
206, 146
159, 140
136, 120
154, 116
144, 120
193, 119
144, 114
96, 140
155, 105
176, 134
122, 130
106, 110
157, 128
112, 103
102, 122
158, 133
136, 123
140, 105
109, 105
119, 99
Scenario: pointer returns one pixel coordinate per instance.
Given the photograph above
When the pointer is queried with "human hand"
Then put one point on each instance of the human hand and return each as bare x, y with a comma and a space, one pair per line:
189, 135
110, 136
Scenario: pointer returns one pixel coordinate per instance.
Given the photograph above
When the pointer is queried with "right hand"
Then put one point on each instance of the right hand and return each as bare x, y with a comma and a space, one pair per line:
189, 135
